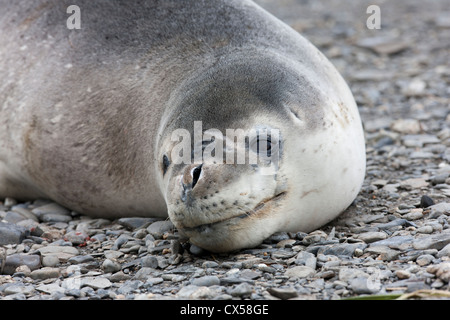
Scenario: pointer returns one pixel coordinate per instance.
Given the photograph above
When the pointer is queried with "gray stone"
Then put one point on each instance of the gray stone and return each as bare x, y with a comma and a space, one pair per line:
413, 183
50, 208
306, 259
194, 292
241, 290
19, 288
15, 260
383, 45
444, 252
250, 274
206, 281
435, 241
110, 266
439, 209
76, 237
25, 213
299, 272
442, 271
11, 233
54, 217
14, 217
210, 264
96, 282
346, 274
144, 272
45, 273
414, 214
283, 293
130, 286
341, 249
158, 228
50, 261
363, 285
149, 262
119, 276
63, 253
369, 237
81, 259
50, 288
425, 229
424, 260
394, 242
134, 223
151, 281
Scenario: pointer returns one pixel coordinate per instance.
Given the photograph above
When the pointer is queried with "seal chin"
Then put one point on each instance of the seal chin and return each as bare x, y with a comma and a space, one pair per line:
233, 233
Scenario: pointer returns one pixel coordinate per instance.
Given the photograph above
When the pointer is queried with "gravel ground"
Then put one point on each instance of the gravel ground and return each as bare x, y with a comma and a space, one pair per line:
394, 241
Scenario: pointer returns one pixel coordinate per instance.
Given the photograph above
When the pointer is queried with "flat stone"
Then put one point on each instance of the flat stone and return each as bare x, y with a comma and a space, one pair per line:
45, 273
346, 274
76, 237
306, 259
80, 259
363, 285
406, 126
299, 272
385, 253
369, 237
414, 214
149, 261
95, 282
402, 274
283, 293
11, 233
426, 201
19, 288
55, 217
195, 292
242, 289
25, 213
206, 281
158, 228
424, 260
341, 249
14, 217
414, 183
50, 261
119, 276
425, 229
51, 288
439, 209
63, 253
110, 266
441, 270
395, 242
383, 45
13, 261
51, 208
444, 252
435, 241
134, 223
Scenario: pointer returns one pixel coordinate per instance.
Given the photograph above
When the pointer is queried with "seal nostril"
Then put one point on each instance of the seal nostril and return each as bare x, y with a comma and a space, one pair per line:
196, 175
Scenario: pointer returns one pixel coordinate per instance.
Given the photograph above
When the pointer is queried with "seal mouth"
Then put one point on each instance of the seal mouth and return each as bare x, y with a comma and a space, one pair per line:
233, 220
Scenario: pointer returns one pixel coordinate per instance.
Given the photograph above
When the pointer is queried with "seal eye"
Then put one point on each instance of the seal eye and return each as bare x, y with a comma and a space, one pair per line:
165, 164
261, 145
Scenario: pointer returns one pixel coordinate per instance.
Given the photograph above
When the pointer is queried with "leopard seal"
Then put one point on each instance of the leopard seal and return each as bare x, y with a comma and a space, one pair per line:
87, 117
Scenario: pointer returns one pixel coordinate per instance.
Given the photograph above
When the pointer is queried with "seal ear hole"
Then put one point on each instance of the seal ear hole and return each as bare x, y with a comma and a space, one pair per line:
165, 164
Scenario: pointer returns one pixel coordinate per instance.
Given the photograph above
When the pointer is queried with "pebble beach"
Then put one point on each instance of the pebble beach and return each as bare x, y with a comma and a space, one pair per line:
393, 242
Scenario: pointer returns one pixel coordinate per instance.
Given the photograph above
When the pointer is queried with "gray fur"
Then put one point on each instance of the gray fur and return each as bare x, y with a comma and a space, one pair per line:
85, 114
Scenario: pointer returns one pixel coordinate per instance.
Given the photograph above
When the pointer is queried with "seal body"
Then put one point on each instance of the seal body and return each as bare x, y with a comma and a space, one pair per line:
88, 117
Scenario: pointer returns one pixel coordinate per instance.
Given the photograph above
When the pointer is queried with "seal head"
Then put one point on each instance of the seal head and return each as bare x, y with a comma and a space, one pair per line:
256, 146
